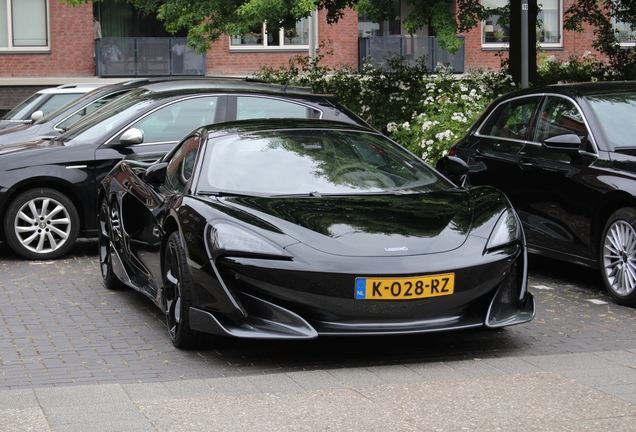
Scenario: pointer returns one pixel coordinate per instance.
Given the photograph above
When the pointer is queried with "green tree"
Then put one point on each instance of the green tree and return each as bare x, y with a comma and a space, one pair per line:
602, 16
207, 20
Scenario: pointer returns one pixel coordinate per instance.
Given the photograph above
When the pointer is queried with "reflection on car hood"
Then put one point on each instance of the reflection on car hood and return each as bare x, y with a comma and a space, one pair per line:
19, 133
377, 225
27, 146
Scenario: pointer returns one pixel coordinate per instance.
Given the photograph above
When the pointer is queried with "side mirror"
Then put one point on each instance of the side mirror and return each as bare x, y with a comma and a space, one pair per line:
37, 115
132, 136
454, 168
156, 173
565, 142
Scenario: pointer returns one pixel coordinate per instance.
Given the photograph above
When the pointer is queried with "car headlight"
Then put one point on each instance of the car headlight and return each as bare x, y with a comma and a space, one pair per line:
507, 230
230, 238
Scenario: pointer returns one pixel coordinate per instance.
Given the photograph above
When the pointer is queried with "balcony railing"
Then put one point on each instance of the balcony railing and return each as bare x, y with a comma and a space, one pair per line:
135, 57
376, 49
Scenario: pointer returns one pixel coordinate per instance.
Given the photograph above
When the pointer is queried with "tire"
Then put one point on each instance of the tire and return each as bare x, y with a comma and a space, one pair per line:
177, 283
41, 224
618, 256
104, 240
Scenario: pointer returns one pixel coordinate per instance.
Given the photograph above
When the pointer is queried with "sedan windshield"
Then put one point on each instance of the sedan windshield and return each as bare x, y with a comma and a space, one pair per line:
314, 162
110, 118
617, 117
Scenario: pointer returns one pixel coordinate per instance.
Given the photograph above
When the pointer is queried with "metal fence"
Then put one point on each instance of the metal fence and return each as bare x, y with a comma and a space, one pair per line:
121, 57
376, 49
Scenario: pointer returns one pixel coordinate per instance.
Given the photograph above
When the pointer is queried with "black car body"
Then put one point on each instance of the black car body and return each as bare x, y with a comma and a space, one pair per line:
291, 229
565, 156
48, 187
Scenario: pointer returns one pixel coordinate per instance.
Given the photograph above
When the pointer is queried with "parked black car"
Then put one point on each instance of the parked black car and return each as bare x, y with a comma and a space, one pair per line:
60, 120
565, 155
48, 187
289, 229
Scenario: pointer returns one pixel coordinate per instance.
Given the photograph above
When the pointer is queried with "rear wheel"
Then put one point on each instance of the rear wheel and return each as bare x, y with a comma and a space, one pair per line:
41, 224
177, 284
104, 240
618, 256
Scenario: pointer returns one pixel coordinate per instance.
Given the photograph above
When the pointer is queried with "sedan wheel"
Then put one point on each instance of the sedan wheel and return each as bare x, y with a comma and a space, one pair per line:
41, 224
618, 256
177, 284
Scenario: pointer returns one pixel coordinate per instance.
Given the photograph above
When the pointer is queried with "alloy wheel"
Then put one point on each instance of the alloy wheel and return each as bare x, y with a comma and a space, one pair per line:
42, 225
619, 258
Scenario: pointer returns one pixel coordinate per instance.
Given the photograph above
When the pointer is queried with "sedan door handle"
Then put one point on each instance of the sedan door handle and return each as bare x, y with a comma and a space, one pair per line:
525, 164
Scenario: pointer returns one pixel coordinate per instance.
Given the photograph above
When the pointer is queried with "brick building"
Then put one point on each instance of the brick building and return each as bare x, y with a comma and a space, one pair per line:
46, 43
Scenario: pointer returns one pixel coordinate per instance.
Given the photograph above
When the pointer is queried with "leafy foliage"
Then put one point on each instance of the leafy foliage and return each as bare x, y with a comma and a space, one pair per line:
601, 15
207, 20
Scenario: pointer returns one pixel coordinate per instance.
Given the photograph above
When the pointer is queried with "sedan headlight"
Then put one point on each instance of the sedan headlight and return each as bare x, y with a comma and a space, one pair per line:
507, 230
230, 238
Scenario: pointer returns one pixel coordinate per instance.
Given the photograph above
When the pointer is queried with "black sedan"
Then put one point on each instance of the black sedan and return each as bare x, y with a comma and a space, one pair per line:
48, 187
292, 229
565, 156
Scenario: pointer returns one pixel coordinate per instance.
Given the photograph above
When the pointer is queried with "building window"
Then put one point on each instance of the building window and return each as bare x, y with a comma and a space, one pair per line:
625, 35
496, 29
24, 25
262, 37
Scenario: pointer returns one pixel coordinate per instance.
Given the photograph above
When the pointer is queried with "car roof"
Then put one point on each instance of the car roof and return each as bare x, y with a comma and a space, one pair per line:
240, 84
262, 125
579, 89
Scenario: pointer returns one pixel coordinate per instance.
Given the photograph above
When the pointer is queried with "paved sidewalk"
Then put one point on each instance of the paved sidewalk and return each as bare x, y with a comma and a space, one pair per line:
568, 392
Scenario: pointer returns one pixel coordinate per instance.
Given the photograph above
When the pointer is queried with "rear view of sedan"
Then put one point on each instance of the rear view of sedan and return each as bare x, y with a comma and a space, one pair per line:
293, 229
565, 156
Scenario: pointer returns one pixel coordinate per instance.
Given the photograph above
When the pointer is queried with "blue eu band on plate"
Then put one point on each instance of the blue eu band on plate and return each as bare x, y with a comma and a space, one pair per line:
405, 288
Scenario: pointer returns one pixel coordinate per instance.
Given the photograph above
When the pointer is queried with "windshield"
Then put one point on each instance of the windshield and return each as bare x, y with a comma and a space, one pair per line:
312, 162
107, 119
617, 117
21, 111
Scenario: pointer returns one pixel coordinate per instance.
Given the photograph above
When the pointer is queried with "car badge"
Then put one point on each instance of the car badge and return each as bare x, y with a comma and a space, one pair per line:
396, 249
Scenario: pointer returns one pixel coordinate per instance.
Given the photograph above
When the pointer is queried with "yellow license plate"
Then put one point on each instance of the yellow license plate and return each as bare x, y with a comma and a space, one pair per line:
405, 288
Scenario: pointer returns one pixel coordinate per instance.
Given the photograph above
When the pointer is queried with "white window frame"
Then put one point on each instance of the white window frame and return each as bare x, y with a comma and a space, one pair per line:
264, 46
626, 44
21, 48
545, 45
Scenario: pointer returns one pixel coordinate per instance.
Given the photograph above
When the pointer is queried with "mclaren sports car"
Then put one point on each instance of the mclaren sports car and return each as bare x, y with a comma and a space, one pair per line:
290, 229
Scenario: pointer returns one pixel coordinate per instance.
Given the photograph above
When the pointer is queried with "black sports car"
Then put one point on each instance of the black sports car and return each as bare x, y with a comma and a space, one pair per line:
290, 229
48, 187
565, 155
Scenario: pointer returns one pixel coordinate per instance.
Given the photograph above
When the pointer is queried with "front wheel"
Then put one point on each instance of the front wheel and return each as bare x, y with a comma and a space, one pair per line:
41, 224
105, 240
178, 284
618, 256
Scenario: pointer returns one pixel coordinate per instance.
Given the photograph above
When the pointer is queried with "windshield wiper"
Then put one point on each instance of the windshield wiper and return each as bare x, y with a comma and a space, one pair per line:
228, 194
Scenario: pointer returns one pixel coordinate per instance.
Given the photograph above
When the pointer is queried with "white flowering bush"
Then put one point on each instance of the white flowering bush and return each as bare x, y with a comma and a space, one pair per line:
425, 112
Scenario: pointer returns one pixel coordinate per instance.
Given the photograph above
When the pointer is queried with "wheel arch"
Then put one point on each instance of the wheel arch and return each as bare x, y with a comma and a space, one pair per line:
47, 183
610, 203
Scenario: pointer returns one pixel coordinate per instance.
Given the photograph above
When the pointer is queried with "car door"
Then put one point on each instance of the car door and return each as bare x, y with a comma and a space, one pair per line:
493, 158
145, 205
557, 197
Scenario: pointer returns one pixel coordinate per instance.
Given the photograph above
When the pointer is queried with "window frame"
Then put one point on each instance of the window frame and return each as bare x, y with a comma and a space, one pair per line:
11, 48
264, 46
543, 45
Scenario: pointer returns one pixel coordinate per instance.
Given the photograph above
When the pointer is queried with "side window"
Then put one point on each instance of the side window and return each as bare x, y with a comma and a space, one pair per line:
181, 165
175, 121
260, 107
57, 101
511, 119
559, 116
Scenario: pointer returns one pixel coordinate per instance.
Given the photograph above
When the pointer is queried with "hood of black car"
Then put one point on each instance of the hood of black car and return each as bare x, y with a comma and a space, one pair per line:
376, 225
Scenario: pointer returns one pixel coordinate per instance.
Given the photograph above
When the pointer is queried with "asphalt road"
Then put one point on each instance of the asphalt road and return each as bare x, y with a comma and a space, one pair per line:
62, 327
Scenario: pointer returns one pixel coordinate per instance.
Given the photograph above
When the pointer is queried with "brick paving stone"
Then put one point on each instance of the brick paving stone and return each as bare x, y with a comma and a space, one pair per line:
64, 328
